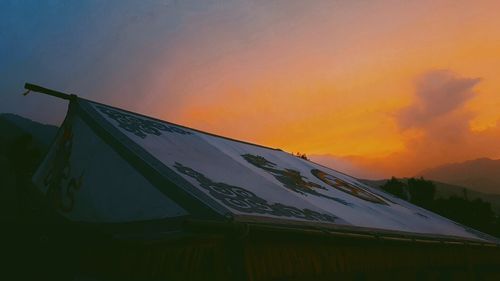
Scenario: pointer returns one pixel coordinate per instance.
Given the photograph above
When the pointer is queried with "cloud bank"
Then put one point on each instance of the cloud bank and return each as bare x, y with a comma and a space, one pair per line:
435, 128
437, 94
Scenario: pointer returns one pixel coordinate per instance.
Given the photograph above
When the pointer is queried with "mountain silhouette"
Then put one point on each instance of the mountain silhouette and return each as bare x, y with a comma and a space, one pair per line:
481, 174
12, 125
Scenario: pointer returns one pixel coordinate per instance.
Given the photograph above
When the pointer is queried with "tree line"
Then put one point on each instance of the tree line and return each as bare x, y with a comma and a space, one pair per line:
475, 213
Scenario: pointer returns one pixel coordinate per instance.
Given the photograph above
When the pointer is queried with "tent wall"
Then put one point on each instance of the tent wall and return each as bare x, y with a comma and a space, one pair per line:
86, 180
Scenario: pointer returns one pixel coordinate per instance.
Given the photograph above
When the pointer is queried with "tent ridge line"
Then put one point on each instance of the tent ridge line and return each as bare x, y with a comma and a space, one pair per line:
186, 127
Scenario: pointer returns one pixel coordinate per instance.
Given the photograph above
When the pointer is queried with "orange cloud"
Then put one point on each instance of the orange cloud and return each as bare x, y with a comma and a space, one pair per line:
437, 94
435, 128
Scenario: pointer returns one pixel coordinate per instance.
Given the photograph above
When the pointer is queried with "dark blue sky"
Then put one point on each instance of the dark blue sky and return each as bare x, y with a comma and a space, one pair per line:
97, 49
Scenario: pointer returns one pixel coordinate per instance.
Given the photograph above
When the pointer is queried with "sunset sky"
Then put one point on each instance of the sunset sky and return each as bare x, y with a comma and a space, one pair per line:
372, 88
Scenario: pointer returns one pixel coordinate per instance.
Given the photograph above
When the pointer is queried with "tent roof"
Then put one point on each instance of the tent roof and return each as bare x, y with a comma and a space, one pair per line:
214, 178
219, 177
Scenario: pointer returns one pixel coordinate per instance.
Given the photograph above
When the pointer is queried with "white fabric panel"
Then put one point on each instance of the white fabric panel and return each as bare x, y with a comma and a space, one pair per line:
224, 169
88, 181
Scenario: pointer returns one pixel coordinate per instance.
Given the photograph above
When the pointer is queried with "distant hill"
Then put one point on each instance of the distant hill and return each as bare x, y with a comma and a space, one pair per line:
444, 190
481, 175
12, 125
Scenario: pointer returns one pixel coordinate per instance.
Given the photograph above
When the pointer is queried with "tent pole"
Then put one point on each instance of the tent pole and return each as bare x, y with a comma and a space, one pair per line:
39, 89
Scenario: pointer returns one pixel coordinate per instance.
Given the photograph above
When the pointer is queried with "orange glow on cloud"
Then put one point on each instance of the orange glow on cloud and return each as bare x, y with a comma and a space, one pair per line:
331, 80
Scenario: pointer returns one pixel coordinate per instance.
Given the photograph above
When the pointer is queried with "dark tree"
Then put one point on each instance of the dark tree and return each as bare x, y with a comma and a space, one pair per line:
476, 213
396, 187
421, 191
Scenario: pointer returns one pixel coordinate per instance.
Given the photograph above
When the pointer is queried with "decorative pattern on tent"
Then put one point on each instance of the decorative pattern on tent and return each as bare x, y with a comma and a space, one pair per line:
247, 202
290, 178
139, 126
61, 187
294, 181
349, 188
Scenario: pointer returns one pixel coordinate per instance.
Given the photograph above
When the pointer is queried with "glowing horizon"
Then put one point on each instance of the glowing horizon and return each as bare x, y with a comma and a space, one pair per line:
389, 87
341, 95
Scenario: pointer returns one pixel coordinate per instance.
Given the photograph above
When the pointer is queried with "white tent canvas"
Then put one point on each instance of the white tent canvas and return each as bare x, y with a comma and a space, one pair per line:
111, 165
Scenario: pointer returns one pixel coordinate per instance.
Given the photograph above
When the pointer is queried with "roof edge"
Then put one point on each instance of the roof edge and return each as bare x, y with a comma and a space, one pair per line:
184, 127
